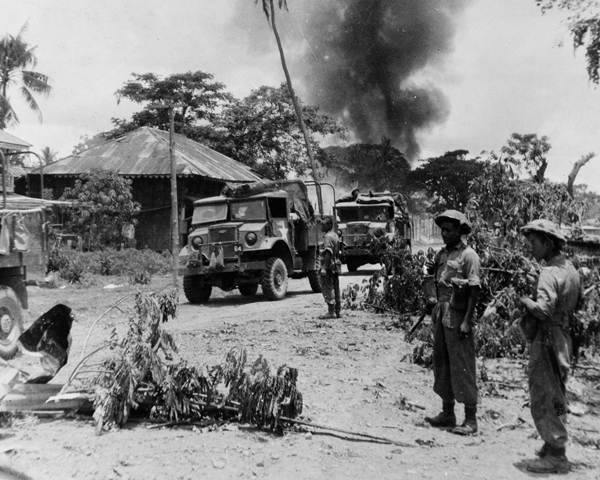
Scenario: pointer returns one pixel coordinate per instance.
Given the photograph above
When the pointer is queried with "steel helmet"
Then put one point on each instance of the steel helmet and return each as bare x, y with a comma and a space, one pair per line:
454, 216
547, 227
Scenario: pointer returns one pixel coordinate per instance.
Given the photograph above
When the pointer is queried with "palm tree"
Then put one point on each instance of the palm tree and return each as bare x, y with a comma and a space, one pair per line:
17, 57
48, 155
269, 9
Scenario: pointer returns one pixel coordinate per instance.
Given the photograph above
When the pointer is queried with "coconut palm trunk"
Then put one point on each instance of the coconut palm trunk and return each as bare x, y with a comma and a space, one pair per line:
288, 80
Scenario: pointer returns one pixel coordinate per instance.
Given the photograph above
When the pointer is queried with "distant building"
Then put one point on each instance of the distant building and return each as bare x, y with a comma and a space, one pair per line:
143, 157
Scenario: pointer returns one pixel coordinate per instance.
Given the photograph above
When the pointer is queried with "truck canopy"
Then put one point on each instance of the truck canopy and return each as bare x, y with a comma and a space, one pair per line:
297, 194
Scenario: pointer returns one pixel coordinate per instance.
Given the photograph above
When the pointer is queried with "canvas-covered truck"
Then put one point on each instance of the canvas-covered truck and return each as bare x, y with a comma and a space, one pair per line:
23, 256
368, 224
253, 235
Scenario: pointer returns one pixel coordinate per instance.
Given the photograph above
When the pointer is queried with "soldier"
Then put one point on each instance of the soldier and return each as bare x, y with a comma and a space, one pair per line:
456, 270
330, 270
548, 327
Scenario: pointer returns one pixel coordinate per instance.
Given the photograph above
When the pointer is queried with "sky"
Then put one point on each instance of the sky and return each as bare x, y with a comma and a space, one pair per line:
504, 68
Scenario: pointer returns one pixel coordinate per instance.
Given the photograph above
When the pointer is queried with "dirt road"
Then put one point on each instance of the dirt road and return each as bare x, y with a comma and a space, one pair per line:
354, 373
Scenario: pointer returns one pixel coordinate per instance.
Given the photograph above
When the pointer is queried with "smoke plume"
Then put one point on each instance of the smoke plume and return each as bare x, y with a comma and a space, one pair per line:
359, 59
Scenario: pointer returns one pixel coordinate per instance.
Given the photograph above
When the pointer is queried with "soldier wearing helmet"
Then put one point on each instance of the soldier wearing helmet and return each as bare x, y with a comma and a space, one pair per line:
556, 297
456, 270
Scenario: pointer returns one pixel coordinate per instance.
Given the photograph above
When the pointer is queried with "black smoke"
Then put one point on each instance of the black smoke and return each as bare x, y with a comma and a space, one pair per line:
358, 59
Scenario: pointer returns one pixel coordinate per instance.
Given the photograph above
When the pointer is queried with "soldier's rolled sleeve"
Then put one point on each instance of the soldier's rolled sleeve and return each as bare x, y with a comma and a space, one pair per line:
472, 268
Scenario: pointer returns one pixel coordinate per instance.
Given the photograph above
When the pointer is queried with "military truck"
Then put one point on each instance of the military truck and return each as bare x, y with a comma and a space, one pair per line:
368, 224
23, 256
255, 235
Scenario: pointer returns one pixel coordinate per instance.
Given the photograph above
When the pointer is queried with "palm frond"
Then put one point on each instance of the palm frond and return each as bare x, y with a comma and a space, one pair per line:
38, 82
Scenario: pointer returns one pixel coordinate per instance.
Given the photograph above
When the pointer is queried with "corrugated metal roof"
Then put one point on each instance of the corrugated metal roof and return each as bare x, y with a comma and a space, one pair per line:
145, 152
10, 141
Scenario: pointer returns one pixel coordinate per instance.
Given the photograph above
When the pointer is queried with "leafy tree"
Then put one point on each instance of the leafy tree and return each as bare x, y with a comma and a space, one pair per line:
584, 24
17, 58
261, 131
85, 142
369, 166
446, 179
529, 152
103, 205
269, 10
200, 96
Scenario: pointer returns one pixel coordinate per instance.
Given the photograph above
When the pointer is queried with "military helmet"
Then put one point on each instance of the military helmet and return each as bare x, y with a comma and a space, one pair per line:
454, 216
547, 227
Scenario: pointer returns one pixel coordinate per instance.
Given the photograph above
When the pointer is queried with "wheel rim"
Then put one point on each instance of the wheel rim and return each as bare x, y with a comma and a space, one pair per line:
278, 279
6, 324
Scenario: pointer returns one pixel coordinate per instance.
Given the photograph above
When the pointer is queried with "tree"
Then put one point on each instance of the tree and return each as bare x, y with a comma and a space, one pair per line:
200, 96
48, 155
447, 179
86, 142
262, 131
529, 152
376, 167
269, 9
17, 58
584, 24
104, 205
575, 171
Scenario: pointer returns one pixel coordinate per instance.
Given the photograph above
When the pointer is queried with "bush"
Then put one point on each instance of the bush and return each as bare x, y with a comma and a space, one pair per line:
139, 265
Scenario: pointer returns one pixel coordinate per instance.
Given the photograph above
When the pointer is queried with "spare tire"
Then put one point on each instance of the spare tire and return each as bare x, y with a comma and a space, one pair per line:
11, 322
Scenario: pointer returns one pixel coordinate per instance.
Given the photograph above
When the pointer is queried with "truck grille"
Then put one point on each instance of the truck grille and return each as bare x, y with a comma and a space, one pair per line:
220, 235
358, 229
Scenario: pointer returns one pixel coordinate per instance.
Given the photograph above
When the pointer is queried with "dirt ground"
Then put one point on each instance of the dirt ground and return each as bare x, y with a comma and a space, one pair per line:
354, 375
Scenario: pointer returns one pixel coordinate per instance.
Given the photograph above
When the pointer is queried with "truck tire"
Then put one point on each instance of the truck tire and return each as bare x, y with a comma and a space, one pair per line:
274, 279
11, 322
248, 289
196, 289
314, 277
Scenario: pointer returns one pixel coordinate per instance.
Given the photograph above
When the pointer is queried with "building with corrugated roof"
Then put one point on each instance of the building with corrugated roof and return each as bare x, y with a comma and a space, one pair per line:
143, 157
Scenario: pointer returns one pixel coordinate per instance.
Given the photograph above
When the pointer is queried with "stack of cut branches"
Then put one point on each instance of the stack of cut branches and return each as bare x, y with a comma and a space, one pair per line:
142, 371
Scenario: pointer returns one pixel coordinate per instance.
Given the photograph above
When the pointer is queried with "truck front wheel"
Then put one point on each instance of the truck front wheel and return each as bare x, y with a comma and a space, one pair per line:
196, 289
11, 322
275, 279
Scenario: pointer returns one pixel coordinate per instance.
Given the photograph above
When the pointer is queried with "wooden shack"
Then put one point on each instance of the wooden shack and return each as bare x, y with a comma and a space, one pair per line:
143, 157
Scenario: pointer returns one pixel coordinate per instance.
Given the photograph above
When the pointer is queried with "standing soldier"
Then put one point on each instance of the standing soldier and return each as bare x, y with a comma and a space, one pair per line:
330, 270
548, 329
456, 270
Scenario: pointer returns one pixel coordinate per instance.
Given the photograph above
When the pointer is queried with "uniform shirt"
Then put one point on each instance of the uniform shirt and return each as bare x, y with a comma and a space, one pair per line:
460, 262
557, 292
331, 243
459, 266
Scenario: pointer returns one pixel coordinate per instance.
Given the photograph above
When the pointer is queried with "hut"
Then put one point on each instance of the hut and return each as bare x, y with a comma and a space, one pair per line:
143, 156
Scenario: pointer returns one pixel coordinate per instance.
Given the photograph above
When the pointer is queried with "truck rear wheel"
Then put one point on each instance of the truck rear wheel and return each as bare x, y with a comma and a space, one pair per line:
196, 289
274, 279
11, 322
248, 289
314, 277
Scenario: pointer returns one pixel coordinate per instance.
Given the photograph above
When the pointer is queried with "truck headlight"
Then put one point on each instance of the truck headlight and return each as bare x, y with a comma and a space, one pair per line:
251, 238
197, 243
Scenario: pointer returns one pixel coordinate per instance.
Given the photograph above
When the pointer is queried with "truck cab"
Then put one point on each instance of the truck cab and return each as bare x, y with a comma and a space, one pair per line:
255, 235
368, 224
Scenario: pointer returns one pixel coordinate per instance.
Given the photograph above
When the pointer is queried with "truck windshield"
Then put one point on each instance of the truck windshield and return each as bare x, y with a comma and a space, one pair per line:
374, 214
348, 214
249, 210
210, 213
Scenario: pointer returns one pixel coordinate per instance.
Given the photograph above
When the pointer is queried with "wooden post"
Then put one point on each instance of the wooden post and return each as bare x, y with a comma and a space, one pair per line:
174, 215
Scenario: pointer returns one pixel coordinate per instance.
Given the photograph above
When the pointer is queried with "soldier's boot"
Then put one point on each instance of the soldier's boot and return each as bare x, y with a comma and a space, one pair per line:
554, 461
338, 313
446, 418
542, 452
469, 426
330, 313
